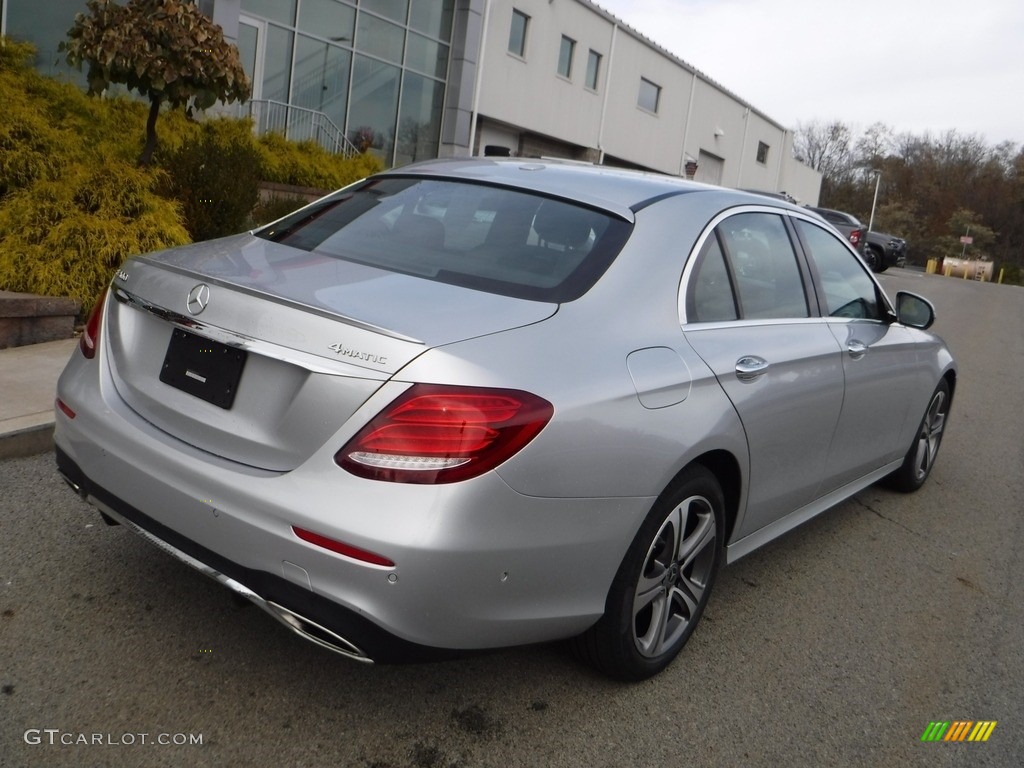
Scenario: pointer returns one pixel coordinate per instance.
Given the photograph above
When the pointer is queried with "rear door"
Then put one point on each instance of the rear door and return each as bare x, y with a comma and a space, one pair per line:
748, 315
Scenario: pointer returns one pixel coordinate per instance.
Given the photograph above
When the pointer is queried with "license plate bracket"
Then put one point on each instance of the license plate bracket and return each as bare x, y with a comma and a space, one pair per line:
204, 368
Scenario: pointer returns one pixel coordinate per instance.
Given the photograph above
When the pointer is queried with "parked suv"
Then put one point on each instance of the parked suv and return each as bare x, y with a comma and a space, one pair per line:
848, 225
884, 251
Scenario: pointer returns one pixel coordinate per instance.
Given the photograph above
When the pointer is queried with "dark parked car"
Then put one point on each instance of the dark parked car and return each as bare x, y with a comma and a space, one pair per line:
884, 251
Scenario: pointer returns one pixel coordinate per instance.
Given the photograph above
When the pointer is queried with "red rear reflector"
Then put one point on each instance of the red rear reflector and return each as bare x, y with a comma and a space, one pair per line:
437, 434
64, 408
91, 334
342, 548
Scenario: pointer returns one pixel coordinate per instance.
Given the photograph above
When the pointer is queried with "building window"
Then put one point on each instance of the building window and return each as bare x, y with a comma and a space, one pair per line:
762, 152
650, 95
593, 69
517, 34
565, 52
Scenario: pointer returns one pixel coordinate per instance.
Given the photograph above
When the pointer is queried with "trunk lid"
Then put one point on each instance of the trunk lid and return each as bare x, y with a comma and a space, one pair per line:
309, 338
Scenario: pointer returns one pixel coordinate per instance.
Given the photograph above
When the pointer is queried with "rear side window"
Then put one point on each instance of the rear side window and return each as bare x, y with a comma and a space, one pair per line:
712, 299
747, 269
492, 239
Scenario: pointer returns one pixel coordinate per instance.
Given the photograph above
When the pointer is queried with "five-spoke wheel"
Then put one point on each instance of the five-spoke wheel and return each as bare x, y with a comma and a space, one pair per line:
664, 582
920, 459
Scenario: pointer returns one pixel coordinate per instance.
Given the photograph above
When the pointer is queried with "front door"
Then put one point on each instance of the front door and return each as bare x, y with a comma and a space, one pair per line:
749, 319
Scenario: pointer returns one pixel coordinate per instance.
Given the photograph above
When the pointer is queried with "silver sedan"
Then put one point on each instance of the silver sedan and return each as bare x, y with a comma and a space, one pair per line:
471, 404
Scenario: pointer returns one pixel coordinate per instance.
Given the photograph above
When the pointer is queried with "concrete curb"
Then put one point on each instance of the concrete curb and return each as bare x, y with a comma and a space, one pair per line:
27, 442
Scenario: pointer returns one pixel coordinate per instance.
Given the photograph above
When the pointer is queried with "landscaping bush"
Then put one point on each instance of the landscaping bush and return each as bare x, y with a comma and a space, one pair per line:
306, 164
214, 177
74, 205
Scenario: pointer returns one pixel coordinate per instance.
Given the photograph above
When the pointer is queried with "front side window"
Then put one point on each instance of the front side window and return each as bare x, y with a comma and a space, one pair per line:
487, 238
565, 52
593, 69
517, 33
650, 95
849, 292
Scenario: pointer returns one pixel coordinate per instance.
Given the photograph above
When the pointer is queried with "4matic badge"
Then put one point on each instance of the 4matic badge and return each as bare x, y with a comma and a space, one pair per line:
342, 351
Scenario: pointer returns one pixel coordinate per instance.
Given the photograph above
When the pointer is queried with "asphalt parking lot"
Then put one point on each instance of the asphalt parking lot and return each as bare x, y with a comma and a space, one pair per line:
836, 645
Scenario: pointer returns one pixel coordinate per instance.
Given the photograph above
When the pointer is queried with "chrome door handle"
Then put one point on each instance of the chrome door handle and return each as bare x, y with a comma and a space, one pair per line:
750, 367
857, 349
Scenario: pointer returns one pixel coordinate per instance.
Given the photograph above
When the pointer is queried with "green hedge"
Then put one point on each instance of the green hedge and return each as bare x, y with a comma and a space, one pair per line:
73, 204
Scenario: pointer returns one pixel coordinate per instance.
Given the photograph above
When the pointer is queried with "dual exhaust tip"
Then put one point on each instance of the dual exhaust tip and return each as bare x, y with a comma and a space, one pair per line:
297, 623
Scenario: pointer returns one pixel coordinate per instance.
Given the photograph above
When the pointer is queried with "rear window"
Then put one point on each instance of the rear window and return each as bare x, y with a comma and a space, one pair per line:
488, 238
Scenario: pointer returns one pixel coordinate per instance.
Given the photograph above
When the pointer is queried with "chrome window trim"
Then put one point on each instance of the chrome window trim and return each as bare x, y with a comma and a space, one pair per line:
691, 260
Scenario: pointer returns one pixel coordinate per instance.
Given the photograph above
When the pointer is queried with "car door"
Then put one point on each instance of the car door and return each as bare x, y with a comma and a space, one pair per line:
879, 359
748, 316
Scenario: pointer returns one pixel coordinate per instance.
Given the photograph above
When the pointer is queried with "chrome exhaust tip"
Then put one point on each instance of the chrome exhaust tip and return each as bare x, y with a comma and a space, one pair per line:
300, 625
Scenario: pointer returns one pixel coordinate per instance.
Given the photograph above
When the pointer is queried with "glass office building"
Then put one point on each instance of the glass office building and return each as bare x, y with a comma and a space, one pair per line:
376, 69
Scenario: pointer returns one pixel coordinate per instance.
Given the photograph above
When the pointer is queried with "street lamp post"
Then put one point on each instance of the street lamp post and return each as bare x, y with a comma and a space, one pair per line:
878, 178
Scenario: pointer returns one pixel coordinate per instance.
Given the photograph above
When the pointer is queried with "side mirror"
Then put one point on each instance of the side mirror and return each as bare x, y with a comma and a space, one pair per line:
915, 311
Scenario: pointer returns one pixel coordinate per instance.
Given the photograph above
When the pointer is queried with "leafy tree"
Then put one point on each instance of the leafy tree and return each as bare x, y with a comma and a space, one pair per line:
966, 222
167, 50
926, 181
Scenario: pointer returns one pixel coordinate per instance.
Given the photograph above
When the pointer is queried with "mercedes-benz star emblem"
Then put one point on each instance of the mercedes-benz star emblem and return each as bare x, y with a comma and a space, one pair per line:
198, 298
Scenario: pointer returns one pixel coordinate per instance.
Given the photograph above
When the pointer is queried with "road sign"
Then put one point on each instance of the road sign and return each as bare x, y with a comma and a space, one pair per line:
966, 240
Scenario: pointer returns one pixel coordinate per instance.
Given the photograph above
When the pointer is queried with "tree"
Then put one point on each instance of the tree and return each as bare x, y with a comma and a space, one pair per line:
825, 147
965, 222
167, 50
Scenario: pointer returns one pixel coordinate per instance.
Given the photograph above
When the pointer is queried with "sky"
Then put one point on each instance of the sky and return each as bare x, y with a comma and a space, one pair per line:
919, 66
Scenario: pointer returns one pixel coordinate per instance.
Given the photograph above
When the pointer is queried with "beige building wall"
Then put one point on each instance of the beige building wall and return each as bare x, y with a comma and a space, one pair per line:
525, 105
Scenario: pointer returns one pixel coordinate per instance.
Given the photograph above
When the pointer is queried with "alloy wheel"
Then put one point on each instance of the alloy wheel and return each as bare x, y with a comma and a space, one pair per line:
676, 572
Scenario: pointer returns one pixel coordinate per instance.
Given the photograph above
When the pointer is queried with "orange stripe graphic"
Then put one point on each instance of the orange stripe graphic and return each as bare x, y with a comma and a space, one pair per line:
959, 730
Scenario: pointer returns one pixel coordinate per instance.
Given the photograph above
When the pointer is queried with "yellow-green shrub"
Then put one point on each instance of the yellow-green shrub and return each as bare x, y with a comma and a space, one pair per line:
306, 164
65, 237
72, 203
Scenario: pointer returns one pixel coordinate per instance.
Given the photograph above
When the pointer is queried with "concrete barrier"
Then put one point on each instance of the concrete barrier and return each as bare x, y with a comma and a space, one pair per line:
29, 319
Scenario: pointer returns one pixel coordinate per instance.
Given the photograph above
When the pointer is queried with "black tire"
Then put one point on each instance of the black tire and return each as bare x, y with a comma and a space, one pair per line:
663, 583
921, 455
874, 258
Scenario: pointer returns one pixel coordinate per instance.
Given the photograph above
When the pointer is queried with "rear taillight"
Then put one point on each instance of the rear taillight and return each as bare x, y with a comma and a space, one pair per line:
91, 334
855, 238
438, 434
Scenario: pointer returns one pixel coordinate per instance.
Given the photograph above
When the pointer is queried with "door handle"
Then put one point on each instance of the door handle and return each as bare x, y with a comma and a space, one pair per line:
857, 349
750, 367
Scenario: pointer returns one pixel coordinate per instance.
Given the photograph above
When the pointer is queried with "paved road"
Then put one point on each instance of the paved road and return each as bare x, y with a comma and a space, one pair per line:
834, 646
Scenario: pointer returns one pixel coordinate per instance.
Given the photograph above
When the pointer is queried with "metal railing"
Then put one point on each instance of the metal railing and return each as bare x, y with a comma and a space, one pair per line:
299, 124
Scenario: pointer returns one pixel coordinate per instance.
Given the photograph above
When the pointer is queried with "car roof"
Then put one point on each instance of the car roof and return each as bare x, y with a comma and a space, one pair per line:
616, 190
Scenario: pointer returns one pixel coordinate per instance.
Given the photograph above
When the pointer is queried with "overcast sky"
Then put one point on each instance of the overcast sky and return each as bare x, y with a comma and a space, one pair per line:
916, 65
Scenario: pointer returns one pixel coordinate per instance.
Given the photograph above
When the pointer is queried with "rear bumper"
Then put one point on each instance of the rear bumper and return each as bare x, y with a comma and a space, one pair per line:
309, 615
476, 564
